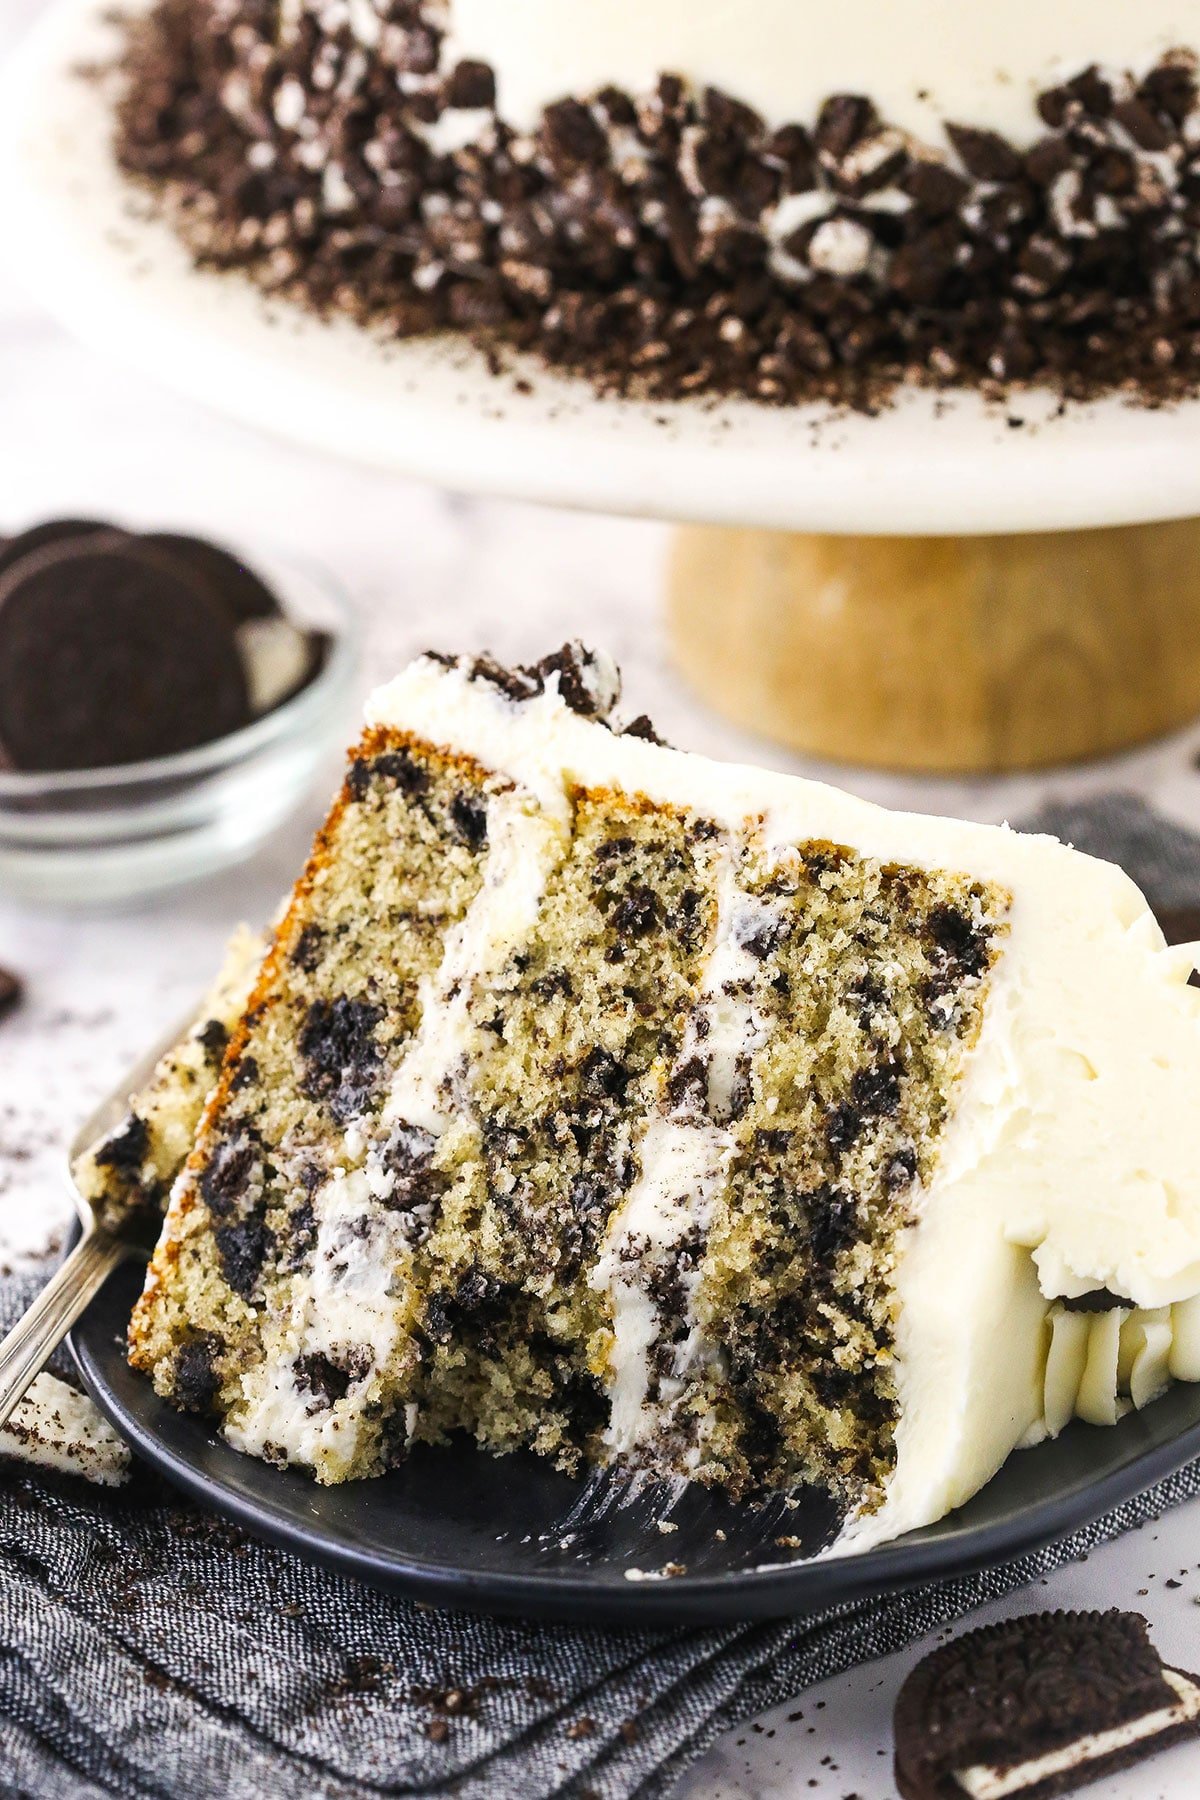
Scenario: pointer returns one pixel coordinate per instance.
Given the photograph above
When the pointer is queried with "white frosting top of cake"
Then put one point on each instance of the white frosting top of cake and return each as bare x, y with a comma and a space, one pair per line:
1071, 1162
921, 61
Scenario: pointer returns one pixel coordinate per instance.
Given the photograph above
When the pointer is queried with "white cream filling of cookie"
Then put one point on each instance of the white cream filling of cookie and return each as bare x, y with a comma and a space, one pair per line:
984, 1781
276, 655
1070, 1162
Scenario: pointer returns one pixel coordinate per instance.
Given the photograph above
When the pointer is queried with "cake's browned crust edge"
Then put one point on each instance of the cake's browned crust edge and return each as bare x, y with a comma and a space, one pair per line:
375, 741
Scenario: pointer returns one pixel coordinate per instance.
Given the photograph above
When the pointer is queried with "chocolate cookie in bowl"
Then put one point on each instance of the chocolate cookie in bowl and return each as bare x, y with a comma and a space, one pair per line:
37, 537
117, 648
109, 653
164, 704
11, 991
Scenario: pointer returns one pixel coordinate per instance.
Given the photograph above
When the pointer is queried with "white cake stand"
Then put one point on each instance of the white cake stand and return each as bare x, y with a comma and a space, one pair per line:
949, 641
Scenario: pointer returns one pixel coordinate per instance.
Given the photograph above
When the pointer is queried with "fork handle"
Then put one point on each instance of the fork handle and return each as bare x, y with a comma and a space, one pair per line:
28, 1346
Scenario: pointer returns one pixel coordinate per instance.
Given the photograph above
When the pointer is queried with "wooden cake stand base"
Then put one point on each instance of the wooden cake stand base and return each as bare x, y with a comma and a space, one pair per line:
917, 650
944, 654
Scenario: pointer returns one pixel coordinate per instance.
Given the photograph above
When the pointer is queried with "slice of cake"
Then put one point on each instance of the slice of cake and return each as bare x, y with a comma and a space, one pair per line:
601, 1099
779, 198
128, 1175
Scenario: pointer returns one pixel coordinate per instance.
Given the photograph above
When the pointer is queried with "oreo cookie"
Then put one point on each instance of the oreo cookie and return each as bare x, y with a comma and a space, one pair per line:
1038, 1706
243, 592
112, 652
11, 992
1180, 924
38, 537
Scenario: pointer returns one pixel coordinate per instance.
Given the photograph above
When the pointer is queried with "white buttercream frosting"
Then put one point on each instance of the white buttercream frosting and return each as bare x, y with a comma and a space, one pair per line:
56, 1427
684, 1159
1070, 1163
921, 61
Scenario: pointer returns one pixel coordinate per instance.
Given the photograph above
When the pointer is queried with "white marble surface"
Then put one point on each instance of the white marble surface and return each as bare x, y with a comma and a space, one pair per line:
78, 435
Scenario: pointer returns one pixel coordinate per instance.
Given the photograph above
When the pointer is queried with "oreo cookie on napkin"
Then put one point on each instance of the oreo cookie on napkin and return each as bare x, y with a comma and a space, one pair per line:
1037, 1706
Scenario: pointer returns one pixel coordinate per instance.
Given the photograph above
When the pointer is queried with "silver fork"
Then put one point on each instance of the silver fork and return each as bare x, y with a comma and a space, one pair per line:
30, 1343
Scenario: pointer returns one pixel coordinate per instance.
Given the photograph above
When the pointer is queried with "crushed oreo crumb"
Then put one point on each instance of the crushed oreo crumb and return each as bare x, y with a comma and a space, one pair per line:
309, 947
469, 819
125, 1149
214, 1037
243, 1248
1098, 1300
329, 1379
647, 241
341, 1053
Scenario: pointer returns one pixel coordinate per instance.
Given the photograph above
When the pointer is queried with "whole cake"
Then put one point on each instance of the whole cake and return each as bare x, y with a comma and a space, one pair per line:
778, 198
597, 1098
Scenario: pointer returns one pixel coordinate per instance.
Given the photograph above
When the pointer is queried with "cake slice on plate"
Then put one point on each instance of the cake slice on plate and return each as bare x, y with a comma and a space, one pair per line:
601, 1099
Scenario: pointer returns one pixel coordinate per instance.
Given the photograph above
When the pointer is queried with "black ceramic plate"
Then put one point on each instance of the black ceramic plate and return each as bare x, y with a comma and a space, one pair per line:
459, 1527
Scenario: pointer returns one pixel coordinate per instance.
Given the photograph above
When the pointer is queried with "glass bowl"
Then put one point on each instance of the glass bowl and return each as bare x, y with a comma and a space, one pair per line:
92, 837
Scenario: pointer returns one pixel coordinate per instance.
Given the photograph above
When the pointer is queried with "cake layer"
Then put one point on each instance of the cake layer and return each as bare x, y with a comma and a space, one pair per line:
922, 61
628, 1106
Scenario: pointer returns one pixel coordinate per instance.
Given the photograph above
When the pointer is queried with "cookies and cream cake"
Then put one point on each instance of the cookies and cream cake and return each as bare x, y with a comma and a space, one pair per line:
602, 1099
675, 197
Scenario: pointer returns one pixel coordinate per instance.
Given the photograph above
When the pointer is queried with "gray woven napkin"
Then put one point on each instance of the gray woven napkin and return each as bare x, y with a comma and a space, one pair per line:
148, 1649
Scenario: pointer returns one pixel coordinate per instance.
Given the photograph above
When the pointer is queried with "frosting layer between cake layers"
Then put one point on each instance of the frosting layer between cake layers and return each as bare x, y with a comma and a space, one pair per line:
921, 61
1067, 1167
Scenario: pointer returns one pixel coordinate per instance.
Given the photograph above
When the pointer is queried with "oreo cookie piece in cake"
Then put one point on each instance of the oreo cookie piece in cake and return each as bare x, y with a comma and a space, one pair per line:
1038, 1706
601, 1099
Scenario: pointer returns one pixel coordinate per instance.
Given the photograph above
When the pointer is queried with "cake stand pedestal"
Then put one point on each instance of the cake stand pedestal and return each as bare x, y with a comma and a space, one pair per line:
943, 654
990, 588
